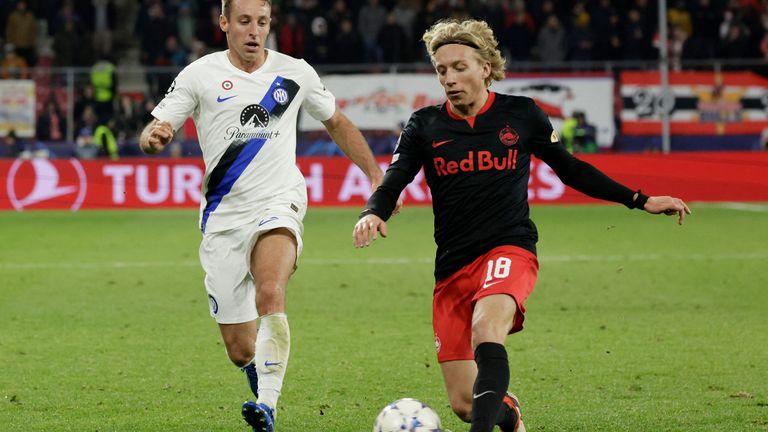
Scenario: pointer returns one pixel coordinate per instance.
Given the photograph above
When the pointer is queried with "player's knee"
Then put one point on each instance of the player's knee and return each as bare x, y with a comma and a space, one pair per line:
270, 297
241, 355
483, 331
462, 409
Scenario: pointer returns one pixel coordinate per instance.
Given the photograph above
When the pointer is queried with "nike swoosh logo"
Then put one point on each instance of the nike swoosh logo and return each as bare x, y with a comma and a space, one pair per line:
269, 363
220, 99
266, 221
490, 284
439, 143
483, 394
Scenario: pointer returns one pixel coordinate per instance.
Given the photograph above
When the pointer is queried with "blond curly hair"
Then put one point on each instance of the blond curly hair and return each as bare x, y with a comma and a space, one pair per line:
473, 33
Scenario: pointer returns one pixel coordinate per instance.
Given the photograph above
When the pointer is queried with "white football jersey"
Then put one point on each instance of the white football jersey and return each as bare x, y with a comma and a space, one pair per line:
246, 124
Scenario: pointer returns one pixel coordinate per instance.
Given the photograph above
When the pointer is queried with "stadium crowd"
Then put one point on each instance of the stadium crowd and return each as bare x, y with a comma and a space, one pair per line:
105, 34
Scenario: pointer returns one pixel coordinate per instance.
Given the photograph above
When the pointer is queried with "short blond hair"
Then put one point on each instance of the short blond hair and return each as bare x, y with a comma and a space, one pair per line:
472, 33
226, 5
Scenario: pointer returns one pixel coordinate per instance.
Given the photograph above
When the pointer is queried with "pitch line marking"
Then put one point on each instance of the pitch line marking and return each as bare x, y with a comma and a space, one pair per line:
388, 261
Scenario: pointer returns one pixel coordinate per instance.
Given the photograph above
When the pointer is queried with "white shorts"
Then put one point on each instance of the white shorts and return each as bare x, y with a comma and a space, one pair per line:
226, 255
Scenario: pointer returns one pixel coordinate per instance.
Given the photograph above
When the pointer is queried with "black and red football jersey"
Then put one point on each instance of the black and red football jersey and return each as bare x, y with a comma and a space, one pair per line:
477, 169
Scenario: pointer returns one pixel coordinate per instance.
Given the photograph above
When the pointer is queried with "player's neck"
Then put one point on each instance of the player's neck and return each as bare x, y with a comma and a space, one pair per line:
247, 66
472, 108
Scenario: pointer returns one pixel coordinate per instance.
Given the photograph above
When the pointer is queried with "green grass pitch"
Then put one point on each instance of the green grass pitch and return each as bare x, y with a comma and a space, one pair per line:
636, 324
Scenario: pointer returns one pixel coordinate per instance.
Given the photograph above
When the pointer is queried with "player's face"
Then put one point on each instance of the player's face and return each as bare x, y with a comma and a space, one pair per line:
247, 28
462, 74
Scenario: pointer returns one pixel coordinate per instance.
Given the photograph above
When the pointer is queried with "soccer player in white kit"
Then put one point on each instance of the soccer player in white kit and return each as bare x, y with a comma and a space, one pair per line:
245, 103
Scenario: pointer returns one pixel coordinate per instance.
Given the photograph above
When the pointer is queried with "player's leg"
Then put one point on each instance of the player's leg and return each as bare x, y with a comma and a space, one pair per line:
240, 342
272, 263
492, 320
509, 278
459, 377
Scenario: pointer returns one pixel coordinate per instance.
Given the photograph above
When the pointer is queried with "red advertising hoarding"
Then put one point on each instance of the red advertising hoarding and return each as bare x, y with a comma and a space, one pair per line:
334, 181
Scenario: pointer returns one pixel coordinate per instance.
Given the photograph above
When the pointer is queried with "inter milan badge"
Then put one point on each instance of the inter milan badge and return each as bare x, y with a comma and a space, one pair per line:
227, 85
255, 116
213, 304
508, 136
280, 95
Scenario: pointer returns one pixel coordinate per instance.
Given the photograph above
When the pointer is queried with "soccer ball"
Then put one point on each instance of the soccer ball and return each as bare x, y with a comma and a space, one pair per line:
407, 415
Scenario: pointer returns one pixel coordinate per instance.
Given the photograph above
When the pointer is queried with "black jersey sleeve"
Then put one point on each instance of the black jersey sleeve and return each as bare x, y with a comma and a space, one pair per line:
406, 163
575, 173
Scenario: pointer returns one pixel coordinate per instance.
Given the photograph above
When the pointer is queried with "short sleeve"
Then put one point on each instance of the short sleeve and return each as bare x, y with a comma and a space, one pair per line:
318, 102
179, 102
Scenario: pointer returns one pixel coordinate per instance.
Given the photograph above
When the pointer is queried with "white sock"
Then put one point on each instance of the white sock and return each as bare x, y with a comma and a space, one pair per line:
273, 345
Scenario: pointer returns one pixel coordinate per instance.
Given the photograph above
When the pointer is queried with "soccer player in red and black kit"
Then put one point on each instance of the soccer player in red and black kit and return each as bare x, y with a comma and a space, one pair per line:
476, 150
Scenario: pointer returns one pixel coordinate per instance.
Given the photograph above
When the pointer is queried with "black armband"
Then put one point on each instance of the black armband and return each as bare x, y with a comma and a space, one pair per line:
639, 202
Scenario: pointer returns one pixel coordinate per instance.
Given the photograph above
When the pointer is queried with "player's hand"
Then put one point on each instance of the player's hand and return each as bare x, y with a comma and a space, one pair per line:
667, 205
159, 136
367, 229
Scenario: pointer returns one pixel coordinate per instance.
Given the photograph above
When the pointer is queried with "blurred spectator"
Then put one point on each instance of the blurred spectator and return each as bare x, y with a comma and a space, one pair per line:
551, 43
104, 140
104, 82
336, 16
13, 146
578, 135
51, 125
104, 21
13, 65
85, 99
637, 41
128, 122
209, 31
459, 10
66, 45
185, 25
393, 42
405, 12
736, 43
348, 46
196, 50
174, 54
370, 20
581, 39
319, 44
86, 147
154, 33
678, 15
542, 10
519, 32
291, 39
608, 45
21, 31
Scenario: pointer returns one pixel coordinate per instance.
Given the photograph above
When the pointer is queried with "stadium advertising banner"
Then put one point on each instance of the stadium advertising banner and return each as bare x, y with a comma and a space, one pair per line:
334, 181
703, 103
385, 101
17, 107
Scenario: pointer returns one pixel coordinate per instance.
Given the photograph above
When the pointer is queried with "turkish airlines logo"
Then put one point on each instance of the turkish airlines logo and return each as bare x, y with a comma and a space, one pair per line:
32, 183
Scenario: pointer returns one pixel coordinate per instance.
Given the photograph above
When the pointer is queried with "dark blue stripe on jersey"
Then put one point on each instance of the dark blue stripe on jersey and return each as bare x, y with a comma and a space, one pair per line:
234, 162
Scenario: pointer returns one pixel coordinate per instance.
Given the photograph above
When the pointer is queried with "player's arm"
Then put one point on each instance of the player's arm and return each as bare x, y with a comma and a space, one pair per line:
349, 139
589, 180
155, 136
383, 203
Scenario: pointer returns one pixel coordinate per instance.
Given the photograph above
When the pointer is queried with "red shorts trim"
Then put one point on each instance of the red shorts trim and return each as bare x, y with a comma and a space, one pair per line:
503, 270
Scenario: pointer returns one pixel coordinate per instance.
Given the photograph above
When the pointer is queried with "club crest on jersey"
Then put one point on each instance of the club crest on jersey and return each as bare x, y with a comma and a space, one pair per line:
254, 116
280, 95
508, 136
227, 85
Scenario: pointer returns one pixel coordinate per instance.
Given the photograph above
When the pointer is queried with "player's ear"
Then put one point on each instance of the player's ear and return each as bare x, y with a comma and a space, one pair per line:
223, 23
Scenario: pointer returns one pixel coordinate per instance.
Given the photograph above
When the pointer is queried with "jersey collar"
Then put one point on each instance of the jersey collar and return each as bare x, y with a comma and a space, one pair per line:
471, 120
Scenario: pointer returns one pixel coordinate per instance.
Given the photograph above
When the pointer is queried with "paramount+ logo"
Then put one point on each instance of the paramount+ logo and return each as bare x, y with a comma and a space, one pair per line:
476, 161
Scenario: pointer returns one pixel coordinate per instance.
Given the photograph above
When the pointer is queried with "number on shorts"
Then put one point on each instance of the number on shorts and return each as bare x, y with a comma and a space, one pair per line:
498, 269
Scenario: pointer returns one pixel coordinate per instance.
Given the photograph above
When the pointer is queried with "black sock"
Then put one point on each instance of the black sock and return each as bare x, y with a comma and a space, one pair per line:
490, 385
